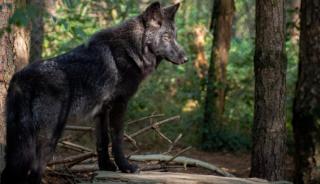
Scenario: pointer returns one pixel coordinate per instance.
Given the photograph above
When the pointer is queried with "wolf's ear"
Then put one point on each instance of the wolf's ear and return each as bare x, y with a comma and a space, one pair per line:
171, 11
152, 15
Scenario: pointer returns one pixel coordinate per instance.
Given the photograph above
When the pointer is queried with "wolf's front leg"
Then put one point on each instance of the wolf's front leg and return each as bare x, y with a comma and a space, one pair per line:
102, 127
116, 123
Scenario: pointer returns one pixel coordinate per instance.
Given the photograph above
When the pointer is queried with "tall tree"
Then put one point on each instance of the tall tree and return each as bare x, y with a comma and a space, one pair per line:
269, 131
306, 110
37, 30
6, 70
200, 63
222, 15
14, 54
293, 20
41, 8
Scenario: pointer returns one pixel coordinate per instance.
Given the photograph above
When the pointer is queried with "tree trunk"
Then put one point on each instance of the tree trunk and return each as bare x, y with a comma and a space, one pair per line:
306, 110
37, 30
14, 54
222, 15
269, 133
201, 62
6, 70
293, 20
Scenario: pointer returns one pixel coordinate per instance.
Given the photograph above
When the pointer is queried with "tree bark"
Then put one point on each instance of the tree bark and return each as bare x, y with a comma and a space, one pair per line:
37, 30
14, 54
306, 110
6, 70
222, 15
269, 133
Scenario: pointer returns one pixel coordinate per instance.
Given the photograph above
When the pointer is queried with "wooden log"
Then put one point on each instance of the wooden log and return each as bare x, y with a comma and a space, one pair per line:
106, 177
181, 160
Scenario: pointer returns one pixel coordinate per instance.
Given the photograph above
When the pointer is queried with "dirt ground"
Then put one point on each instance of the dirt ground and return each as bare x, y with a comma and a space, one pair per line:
237, 164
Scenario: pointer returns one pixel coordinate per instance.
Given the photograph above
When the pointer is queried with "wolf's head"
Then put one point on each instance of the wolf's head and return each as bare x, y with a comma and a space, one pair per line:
160, 33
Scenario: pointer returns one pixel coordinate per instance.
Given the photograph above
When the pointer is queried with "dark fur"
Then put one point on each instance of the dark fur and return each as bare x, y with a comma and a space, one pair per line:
92, 82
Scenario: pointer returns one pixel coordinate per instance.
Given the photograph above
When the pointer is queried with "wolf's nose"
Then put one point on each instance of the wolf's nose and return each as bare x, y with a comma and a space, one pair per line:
185, 59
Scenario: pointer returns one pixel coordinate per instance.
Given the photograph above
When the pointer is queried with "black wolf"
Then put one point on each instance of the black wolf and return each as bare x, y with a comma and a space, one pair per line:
92, 82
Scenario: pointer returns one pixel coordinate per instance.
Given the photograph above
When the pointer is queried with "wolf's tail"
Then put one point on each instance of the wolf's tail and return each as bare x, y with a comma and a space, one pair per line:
21, 146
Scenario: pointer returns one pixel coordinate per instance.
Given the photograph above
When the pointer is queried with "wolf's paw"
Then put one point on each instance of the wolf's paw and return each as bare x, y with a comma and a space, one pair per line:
109, 166
130, 168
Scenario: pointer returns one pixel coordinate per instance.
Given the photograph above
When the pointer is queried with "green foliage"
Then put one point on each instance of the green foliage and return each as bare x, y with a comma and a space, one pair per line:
227, 140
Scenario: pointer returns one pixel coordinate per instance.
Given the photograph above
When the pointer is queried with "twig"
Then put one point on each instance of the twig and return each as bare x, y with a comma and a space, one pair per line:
74, 146
131, 140
144, 118
179, 153
173, 144
159, 167
154, 124
156, 129
73, 159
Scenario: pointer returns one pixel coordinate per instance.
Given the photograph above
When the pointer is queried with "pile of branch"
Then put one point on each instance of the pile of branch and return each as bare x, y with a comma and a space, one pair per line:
85, 160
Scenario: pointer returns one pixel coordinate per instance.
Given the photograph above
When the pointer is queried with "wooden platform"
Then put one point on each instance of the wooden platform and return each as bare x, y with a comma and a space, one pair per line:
105, 177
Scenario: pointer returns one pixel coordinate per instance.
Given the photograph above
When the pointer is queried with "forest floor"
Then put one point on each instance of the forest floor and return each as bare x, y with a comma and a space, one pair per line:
237, 164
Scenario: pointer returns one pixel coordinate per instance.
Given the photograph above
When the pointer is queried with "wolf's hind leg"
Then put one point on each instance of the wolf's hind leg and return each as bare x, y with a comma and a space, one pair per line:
51, 120
45, 151
116, 123
102, 127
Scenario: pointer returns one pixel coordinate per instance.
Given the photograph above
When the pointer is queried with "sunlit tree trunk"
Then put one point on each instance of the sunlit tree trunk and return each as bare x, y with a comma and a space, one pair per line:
269, 132
222, 15
306, 110
293, 19
14, 54
201, 62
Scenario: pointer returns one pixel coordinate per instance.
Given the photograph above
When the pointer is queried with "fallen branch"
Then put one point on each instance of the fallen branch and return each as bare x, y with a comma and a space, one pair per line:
74, 146
156, 129
181, 160
179, 153
73, 159
160, 167
173, 144
131, 140
153, 125
144, 118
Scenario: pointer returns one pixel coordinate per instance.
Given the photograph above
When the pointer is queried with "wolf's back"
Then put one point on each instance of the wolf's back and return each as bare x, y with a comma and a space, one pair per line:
20, 131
